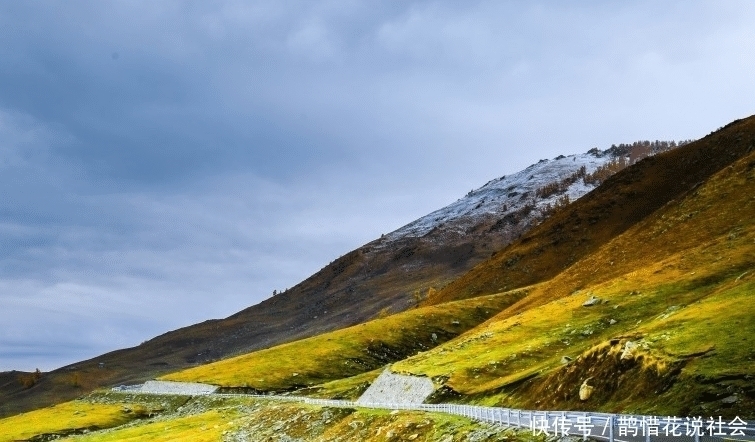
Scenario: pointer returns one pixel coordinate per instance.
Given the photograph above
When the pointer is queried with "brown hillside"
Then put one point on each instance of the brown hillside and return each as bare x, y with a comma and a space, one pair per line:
624, 199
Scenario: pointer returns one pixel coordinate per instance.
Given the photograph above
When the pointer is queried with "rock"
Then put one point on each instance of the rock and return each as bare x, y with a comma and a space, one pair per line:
434, 337
565, 360
455, 322
730, 400
413, 436
612, 321
585, 391
592, 300
629, 348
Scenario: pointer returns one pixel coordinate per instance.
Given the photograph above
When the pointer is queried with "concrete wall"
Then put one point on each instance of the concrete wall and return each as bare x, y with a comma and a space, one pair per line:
183, 388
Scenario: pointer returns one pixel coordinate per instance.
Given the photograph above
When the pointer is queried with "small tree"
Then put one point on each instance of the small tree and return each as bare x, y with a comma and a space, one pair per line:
30, 379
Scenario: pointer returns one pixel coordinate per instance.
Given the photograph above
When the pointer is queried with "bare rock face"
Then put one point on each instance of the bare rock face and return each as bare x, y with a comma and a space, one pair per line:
585, 390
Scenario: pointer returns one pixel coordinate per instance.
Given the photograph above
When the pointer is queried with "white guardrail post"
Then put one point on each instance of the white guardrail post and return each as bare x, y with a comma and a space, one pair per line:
610, 428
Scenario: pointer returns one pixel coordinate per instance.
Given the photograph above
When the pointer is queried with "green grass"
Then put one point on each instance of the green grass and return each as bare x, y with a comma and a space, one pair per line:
204, 427
67, 418
351, 351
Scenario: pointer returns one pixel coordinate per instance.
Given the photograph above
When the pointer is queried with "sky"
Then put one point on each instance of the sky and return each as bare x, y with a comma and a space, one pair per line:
164, 163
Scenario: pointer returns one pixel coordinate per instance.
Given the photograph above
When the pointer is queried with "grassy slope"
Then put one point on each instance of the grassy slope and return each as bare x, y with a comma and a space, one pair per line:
595, 219
680, 283
207, 418
67, 418
203, 427
350, 351
251, 419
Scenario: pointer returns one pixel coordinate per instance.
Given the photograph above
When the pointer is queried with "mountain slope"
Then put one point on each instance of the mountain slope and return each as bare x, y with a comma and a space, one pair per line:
621, 201
389, 274
349, 351
669, 329
649, 288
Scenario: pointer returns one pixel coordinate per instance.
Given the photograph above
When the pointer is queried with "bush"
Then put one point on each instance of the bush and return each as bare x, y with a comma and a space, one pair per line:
28, 380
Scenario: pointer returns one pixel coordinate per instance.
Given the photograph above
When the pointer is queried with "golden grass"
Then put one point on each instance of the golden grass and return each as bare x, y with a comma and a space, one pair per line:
204, 427
67, 417
350, 351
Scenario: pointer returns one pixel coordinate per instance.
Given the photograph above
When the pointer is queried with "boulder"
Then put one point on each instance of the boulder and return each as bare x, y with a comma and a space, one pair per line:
592, 300
629, 349
585, 390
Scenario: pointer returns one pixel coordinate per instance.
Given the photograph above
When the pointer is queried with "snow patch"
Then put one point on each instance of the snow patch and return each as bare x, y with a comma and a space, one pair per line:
507, 195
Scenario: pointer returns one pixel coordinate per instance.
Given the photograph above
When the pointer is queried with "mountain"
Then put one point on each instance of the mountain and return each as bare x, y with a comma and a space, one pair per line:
619, 203
635, 298
391, 274
655, 319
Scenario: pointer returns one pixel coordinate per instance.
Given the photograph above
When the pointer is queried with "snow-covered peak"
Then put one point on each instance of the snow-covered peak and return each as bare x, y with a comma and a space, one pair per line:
510, 194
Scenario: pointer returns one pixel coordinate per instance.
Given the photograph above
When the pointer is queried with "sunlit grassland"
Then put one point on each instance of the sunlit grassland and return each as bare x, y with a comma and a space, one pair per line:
350, 351
68, 417
204, 427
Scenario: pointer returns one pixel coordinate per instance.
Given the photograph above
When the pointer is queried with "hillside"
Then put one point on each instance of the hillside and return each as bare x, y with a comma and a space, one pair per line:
619, 203
635, 298
652, 285
669, 329
390, 274
347, 352
649, 312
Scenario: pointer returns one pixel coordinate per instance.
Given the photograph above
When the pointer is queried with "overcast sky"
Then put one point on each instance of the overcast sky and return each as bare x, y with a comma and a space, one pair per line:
163, 163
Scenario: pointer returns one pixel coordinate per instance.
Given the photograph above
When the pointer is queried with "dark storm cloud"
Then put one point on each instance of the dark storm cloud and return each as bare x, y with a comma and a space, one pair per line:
190, 157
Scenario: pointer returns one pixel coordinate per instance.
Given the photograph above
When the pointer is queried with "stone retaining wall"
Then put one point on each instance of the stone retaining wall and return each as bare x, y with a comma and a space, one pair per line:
390, 388
181, 388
